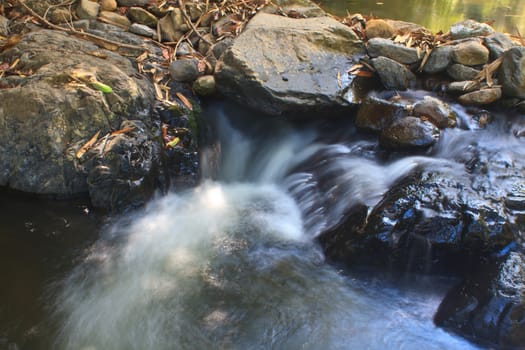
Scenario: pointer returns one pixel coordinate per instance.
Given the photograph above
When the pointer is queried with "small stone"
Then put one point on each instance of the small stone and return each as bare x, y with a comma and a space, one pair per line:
184, 70
511, 73
378, 28
470, 53
460, 72
194, 11
463, 87
469, 29
205, 85
60, 15
108, 5
409, 132
132, 2
203, 46
172, 26
437, 111
481, 97
184, 49
376, 114
115, 18
221, 46
497, 44
141, 16
440, 58
4, 26
393, 75
384, 47
87, 9
143, 30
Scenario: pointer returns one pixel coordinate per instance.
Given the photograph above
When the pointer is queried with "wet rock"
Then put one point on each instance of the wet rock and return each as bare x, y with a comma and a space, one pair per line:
375, 114
463, 87
205, 85
384, 47
489, 305
44, 117
378, 28
122, 169
141, 16
409, 133
132, 2
481, 97
470, 53
172, 26
184, 70
437, 111
115, 18
143, 30
87, 9
469, 29
497, 44
281, 64
511, 72
393, 75
461, 72
4, 26
439, 60
108, 5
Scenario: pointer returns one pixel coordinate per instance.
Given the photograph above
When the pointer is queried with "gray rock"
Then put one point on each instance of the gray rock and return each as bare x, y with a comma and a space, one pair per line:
184, 49
87, 9
393, 75
4, 26
220, 47
132, 2
384, 47
437, 111
497, 44
511, 73
375, 114
205, 85
281, 64
463, 87
481, 97
470, 53
46, 120
143, 30
184, 70
460, 72
141, 16
469, 28
409, 133
440, 58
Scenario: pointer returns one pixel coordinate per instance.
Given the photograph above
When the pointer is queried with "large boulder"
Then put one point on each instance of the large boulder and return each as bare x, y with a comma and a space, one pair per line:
281, 64
52, 110
512, 72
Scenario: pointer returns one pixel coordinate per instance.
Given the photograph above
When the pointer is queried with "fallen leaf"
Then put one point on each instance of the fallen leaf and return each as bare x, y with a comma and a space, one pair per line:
173, 142
82, 150
122, 131
101, 87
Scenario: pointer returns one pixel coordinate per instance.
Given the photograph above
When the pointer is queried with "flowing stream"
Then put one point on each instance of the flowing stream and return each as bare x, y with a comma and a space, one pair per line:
233, 263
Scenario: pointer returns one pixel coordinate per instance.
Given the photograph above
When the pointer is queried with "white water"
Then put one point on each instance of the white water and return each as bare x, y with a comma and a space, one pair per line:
232, 264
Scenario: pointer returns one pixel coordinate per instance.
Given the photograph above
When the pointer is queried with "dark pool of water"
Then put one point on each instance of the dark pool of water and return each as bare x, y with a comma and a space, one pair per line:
506, 15
39, 242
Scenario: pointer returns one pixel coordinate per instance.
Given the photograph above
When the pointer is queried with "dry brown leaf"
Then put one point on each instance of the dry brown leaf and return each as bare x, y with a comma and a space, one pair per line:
339, 83
364, 74
122, 131
184, 101
142, 57
82, 150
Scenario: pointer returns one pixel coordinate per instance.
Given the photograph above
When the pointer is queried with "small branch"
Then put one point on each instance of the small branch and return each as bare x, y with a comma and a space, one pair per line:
93, 37
188, 21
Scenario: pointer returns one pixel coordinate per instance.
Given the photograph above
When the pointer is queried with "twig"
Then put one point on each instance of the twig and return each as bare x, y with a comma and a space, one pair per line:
188, 21
78, 33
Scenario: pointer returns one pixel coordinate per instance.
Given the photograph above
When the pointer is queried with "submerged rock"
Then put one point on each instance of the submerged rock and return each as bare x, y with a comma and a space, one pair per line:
409, 133
375, 114
489, 305
47, 111
281, 64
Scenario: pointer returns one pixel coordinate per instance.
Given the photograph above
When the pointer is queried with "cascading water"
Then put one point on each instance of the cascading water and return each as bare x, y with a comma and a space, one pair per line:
233, 263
